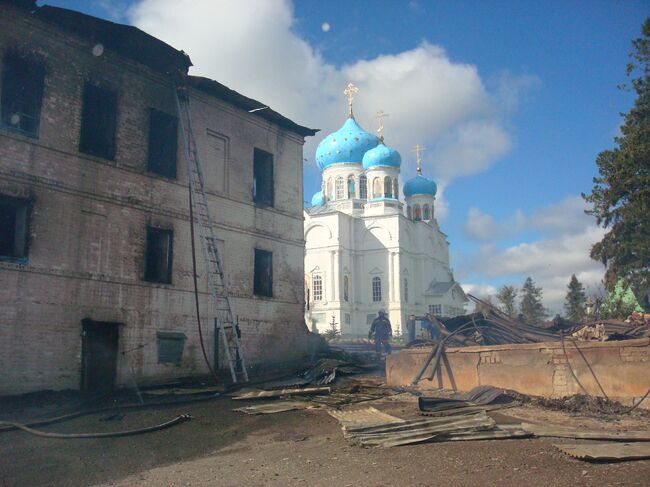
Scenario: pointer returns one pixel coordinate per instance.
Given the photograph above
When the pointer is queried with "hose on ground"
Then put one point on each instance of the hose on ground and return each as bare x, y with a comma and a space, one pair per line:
113, 434
8, 425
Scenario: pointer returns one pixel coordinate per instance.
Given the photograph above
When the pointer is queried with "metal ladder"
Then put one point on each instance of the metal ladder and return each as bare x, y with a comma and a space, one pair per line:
227, 328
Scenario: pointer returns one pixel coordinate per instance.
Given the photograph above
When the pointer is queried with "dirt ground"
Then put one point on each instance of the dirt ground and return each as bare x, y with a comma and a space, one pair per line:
225, 448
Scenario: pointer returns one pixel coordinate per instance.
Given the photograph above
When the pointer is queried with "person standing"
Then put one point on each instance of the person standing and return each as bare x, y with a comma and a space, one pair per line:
382, 330
410, 329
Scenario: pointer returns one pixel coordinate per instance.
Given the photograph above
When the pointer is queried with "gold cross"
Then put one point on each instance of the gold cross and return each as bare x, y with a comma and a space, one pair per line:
380, 115
349, 91
417, 149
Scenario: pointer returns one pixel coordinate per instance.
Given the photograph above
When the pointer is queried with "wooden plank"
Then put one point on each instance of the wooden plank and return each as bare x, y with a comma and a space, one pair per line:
561, 432
612, 451
273, 407
307, 391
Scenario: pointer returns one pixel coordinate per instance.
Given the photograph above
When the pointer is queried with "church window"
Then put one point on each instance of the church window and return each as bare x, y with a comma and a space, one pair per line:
346, 288
363, 187
376, 188
426, 212
417, 213
330, 189
406, 290
395, 189
388, 187
435, 309
376, 288
317, 287
351, 189
22, 93
409, 212
340, 188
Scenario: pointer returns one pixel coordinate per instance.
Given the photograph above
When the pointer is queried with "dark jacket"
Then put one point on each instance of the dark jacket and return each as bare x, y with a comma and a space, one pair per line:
381, 328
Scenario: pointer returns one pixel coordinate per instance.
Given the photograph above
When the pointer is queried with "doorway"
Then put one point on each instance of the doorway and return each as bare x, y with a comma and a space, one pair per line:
99, 344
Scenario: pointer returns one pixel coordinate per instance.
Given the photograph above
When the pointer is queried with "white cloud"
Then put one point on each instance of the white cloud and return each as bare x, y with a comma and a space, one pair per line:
325, 27
481, 291
568, 235
481, 226
432, 100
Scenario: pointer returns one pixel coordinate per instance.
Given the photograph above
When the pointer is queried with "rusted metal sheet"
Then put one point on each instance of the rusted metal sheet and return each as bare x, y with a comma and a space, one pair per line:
363, 418
607, 451
273, 407
307, 391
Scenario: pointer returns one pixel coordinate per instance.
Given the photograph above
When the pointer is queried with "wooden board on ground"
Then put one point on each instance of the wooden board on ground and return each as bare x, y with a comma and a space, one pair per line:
562, 432
363, 418
611, 451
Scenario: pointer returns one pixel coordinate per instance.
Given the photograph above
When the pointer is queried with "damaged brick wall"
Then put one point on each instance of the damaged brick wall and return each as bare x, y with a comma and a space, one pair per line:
539, 369
88, 223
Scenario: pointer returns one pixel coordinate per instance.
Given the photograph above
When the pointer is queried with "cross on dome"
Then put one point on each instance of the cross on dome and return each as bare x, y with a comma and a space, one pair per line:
418, 149
349, 91
380, 115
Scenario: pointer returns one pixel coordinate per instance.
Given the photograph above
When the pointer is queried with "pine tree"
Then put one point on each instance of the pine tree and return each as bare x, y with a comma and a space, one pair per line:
507, 296
620, 197
574, 303
531, 303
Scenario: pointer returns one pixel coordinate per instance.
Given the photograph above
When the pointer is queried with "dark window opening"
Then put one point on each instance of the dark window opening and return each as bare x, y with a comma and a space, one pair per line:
22, 94
14, 216
158, 267
98, 122
170, 347
262, 178
263, 274
163, 140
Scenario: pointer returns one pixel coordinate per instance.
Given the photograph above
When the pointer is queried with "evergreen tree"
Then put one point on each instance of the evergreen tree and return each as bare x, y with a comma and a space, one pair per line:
507, 296
483, 308
620, 197
574, 303
531, 303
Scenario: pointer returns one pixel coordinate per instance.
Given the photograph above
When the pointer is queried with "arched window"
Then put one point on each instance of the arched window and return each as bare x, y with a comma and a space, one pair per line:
376, 188
363, 187
346, 288
409, 212
340, 188
376, 289
388, 187
317, 287
395, 189
352, 192
417, 213
330, 189
426, 212
406, 290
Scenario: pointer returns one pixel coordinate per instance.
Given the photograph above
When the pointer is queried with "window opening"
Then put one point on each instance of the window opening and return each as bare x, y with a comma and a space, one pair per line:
263, 185
14, 217
163, 140
263, 273
158, 266
98, 121
376, 289
317, 287
22, 93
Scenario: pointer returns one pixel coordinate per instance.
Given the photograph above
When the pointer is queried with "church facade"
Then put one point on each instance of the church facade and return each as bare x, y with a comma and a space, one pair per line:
365, 250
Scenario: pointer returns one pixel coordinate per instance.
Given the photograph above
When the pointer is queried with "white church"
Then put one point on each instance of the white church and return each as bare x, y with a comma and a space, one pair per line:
365, 249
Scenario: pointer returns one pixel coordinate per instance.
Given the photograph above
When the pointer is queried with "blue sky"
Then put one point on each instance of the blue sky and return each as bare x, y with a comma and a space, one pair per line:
536, 80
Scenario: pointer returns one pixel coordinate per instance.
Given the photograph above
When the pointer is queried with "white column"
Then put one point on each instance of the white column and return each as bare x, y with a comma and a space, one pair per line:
332, 278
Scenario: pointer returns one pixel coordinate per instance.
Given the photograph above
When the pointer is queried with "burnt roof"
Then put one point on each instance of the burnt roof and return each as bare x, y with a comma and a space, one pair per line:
126, 40
215, 88
134, 44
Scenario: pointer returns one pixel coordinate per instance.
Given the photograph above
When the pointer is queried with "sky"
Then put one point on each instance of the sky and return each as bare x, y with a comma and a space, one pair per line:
512, 100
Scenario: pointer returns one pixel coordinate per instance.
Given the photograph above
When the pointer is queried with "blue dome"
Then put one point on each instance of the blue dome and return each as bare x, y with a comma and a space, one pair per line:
420, 185
318, 199
347, 144
381, 156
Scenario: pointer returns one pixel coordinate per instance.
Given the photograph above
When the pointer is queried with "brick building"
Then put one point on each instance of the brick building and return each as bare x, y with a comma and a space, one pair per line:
95, 262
